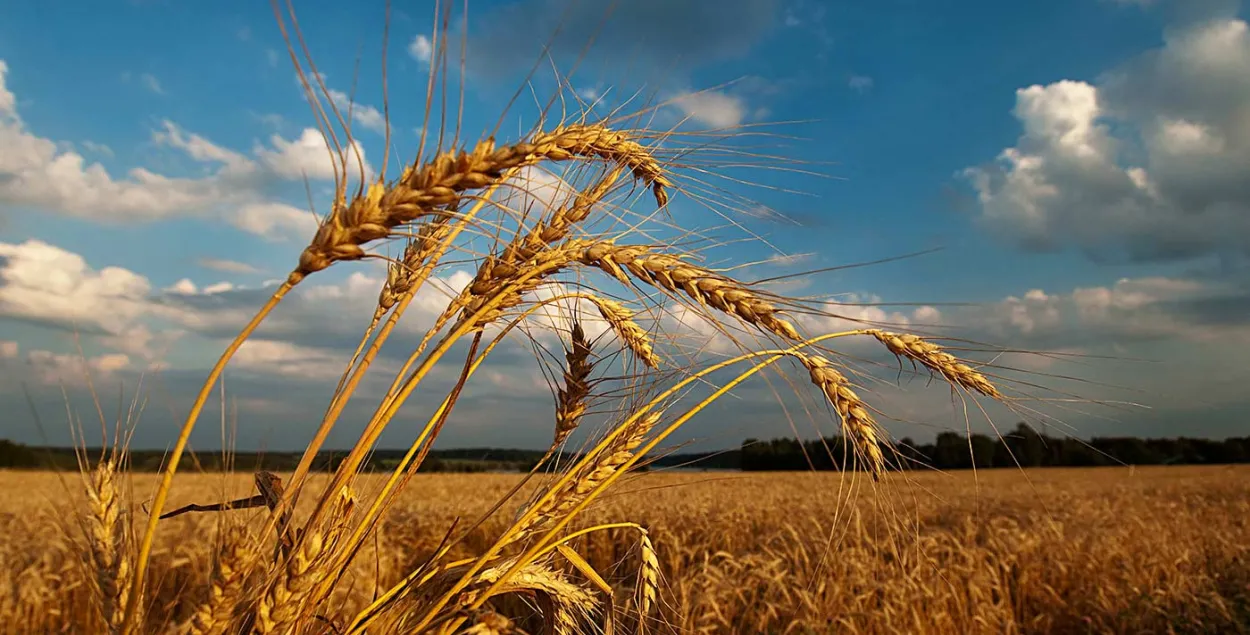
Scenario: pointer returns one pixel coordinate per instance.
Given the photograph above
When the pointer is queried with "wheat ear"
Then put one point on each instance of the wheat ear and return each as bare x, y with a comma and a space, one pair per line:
648, 575
570, 604
673, 274
283, 603
402, 276
934, 358
497, 271
424, 190
621, 321
490, 623
858, 424
215, 616
571, 399
609, 460
108, 543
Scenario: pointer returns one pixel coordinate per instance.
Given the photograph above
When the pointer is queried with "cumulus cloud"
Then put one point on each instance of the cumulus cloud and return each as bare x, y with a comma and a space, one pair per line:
363, 114
276, 221
52, 369
420, 48
36, 173
285, 359
714, 108
1147, 164
307, 157
44, 283
1132, 310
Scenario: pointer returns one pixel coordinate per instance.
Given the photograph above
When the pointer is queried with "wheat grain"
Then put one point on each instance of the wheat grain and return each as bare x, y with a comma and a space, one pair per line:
284, 600
648, 575
490, 623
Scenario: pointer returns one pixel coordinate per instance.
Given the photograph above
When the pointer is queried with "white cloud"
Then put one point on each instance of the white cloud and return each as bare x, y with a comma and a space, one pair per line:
714, 108
420, 48
856, 311
227, 266
36, 173
269, 357
51, 369
72, 369
276, 221
367, 116
307, 156
8, 101
1147, 164
98, 148
45, 283
1131, 309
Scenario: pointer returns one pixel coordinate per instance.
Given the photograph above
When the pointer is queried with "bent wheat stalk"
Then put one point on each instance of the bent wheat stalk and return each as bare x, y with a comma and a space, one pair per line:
603, 446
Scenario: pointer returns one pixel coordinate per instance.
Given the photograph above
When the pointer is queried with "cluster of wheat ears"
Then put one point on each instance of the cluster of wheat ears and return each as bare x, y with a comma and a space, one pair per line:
445, 206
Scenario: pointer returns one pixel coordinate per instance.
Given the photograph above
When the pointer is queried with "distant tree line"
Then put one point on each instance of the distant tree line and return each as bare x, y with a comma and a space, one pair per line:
1023, 447
17, 456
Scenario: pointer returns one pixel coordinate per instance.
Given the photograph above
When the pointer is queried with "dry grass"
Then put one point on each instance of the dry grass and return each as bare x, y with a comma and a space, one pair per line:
1163, 550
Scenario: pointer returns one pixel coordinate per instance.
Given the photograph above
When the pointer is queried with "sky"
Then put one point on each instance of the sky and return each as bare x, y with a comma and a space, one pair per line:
1072, 170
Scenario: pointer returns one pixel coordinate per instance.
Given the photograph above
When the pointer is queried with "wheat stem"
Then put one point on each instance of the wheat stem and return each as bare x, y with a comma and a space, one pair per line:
610, 438
167, 476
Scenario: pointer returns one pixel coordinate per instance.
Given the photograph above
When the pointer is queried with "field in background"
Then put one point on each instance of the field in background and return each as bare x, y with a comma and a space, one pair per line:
1048, 551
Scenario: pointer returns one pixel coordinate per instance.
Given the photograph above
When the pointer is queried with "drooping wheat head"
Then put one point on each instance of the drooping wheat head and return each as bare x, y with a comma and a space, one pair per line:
672, 273
858, 424
424, 190
930, 355
633, 336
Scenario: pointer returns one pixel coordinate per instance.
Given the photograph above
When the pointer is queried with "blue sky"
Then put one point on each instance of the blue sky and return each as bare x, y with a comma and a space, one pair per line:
1079, 164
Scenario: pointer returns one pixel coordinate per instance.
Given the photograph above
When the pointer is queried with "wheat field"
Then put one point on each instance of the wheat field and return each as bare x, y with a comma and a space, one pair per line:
1104, 550
617, 298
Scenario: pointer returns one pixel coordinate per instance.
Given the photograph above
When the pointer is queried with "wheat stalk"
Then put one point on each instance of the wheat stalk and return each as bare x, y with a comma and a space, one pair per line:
857, 422
495, 272
587, 479
422, 191
932, 356
673, 274
284, 600
570, 603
